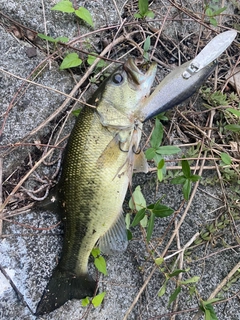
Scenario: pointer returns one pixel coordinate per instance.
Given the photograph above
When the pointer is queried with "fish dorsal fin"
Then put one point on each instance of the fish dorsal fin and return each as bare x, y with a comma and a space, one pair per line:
115, 239
140, 163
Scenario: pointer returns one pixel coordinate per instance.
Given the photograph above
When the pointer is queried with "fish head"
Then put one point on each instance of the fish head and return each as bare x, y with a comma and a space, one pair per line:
121, 94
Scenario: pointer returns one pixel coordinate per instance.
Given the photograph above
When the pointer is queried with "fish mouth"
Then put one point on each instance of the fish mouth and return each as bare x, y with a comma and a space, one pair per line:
140, 71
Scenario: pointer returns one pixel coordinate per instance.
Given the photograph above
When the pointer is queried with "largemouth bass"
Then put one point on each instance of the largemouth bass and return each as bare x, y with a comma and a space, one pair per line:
101, 156
97, 168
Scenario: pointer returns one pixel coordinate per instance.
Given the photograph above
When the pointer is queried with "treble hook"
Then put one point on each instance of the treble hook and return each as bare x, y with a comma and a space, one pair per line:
137, 151
121, 148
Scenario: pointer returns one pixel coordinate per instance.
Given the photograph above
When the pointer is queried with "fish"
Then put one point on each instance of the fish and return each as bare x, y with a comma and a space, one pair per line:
101, 155
96, 172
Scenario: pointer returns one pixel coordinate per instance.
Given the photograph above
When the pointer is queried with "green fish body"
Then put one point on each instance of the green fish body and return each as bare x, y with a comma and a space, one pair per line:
99, 161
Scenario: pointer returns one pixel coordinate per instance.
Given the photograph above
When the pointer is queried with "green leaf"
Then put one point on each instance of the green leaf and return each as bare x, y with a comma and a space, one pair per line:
150, 153
85, 302
178, 180
159, 261
100, 264
85, 15
161, 164
213, 21
146, 56
186, 169
167, 150
144, 222
195, 178
174, 295
129, 235
150, 226
162, 211
209, 312
157, 135
219, 11
137, 15
76, 112
98, 299
234, 111
226, 158
143, 6
127, 220
191, 280
209, 12
149, 14
58, 39
44, 37
70, 61
207, 315
161, 167
62, 39
138, 217
186, 189
233, 127
91, 59
176, 273
160, 175
162, 117
95, 252
64, 6
147, 44
137, 200
204, 303
162, 290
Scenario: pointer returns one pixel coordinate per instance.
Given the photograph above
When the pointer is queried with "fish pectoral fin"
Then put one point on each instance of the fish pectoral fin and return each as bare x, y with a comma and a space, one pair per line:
140, 163
115, 239
110, 154
64, 286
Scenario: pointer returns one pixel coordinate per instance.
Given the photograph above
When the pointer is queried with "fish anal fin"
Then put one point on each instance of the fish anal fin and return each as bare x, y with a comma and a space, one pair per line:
64, 286
115, 239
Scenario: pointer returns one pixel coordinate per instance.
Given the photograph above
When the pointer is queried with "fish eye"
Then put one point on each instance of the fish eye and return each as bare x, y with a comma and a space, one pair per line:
117, 78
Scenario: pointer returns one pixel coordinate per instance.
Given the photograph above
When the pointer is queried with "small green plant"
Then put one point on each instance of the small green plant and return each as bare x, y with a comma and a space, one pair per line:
214, 99
92, 57
186, 179
180, 284
212, 11
146, 48
95, 301
81, 12
207, 308
156, 151
226, 159
99, 261
70, 61
234, 127
50, 39
100, 264
146, 214
143, 10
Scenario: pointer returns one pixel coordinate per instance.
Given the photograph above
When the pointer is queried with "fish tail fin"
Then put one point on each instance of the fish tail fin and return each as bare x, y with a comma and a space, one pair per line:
64, 286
